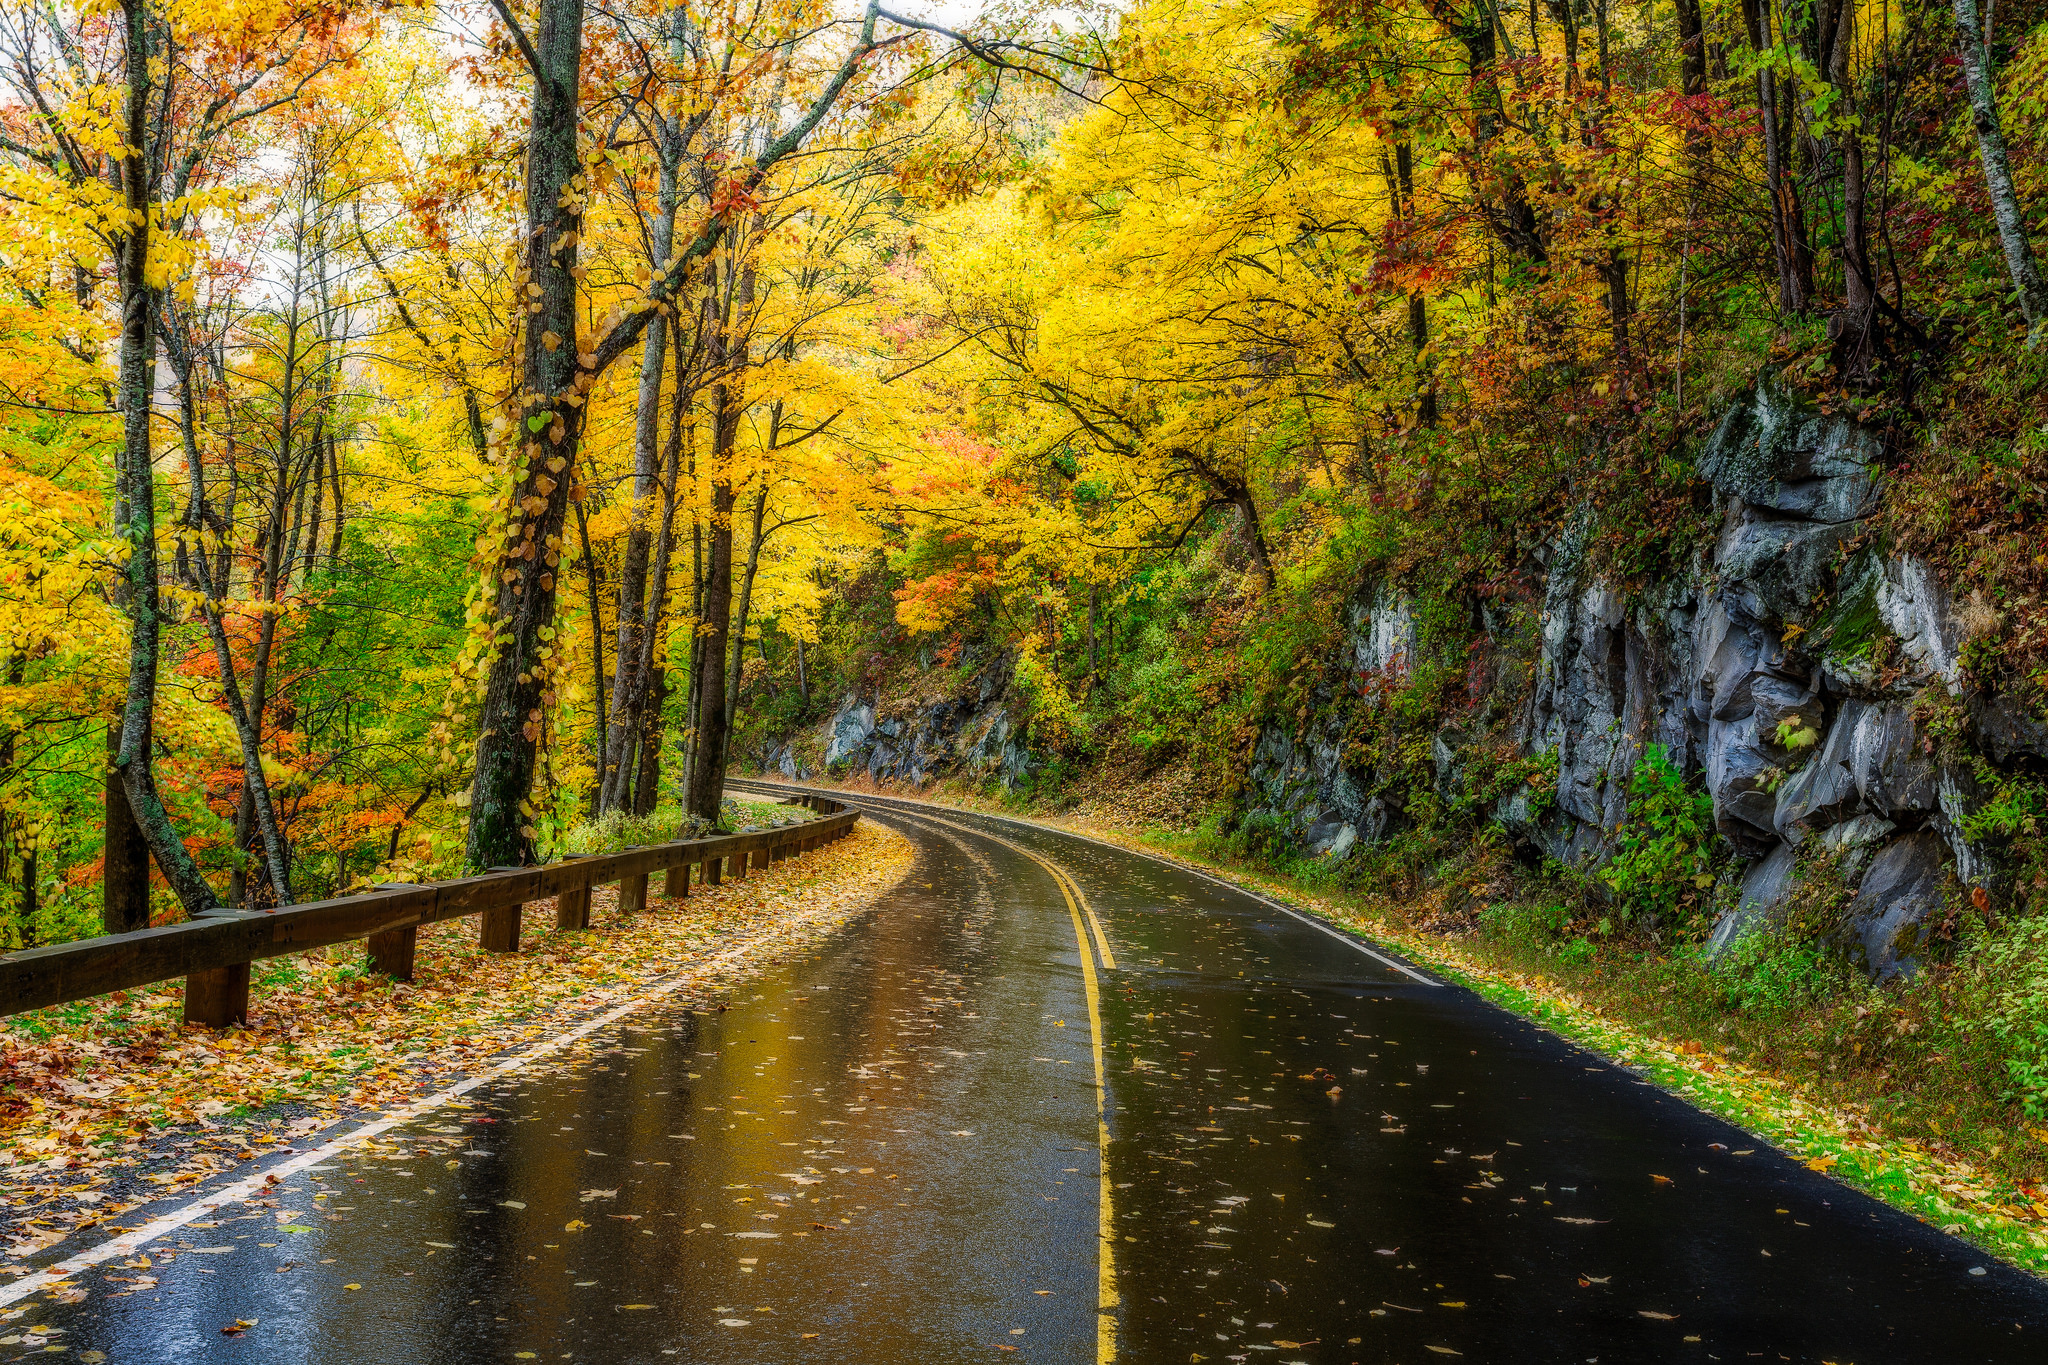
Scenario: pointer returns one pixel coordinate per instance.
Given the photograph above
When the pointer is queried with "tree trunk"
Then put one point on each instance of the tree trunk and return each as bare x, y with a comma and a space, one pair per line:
1249, 511
746, 604
136, 479
1094, 655
1692, 48
727, 355
1794, 284
1418, 308
256, 814
124, 876
334, 469
616, 780
519, 684
1855, 326
693, 703
647, 787
1973, 46
318, 469
590, 584
1514, 221
707, 778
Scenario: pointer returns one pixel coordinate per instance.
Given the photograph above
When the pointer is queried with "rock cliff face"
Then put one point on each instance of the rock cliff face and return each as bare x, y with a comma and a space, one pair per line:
971, 732
1791, 671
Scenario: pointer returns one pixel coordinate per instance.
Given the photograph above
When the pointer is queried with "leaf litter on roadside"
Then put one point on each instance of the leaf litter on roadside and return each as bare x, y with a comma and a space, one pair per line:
113, 1103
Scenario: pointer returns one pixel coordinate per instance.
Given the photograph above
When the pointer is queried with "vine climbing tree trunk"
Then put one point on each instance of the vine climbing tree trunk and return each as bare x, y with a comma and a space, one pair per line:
519, 688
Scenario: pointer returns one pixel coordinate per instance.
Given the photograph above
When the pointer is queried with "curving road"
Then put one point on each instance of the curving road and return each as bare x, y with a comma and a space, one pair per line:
1052, 1100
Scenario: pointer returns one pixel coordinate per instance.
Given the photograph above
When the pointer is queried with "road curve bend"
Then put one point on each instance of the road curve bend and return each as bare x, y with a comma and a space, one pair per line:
1052, 1100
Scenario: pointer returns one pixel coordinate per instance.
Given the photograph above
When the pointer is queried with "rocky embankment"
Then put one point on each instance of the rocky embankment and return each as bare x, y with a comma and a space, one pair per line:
1799, 669
971, 732
1808, 676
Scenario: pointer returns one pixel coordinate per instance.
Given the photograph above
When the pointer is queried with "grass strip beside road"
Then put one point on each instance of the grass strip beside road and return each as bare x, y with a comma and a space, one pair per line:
2002, 1211
1940, 1188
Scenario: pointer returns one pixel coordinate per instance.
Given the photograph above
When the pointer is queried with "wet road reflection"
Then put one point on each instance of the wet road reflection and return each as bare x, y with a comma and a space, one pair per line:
1318, 1158
887, 1152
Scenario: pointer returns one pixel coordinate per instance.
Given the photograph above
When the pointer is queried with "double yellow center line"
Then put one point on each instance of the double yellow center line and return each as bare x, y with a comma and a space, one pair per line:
1106, 1297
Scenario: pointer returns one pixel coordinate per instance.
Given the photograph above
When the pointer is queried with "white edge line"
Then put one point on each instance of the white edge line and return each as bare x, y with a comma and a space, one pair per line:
250, 1184
1175, 864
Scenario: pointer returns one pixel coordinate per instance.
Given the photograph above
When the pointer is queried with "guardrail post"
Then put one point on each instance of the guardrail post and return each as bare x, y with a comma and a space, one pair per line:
498, 931
218, 996
392, 951
675, 884
572, 907
632, 890
714, 871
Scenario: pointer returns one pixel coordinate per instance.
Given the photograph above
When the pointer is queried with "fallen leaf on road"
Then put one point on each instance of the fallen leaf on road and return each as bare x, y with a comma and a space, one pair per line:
1661, 1317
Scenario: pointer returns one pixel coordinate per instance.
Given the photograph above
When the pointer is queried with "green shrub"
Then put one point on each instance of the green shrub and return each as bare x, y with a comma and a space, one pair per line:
1526, 925
1775, 971
2015, 965
1265, 839
1665, 858
613, 831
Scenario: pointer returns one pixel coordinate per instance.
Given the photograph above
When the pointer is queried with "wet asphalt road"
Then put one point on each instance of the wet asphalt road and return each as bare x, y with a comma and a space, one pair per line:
889, 1151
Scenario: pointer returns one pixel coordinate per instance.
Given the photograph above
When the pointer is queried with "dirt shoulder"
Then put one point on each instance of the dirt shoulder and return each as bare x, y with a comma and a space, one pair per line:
109, 1104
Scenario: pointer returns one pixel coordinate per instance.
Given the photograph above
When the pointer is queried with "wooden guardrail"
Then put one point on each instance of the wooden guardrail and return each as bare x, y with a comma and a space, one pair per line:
213, 952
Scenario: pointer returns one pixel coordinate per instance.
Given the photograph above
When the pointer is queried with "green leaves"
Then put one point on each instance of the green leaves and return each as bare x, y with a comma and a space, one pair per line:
1666, 844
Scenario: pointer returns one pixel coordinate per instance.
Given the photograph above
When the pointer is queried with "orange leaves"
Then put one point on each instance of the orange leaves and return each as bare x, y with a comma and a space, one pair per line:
322, 1035
731, 198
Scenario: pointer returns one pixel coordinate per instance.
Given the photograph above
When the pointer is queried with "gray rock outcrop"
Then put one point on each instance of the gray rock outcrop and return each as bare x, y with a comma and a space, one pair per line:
1790, 670
1786, 671
971, 732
